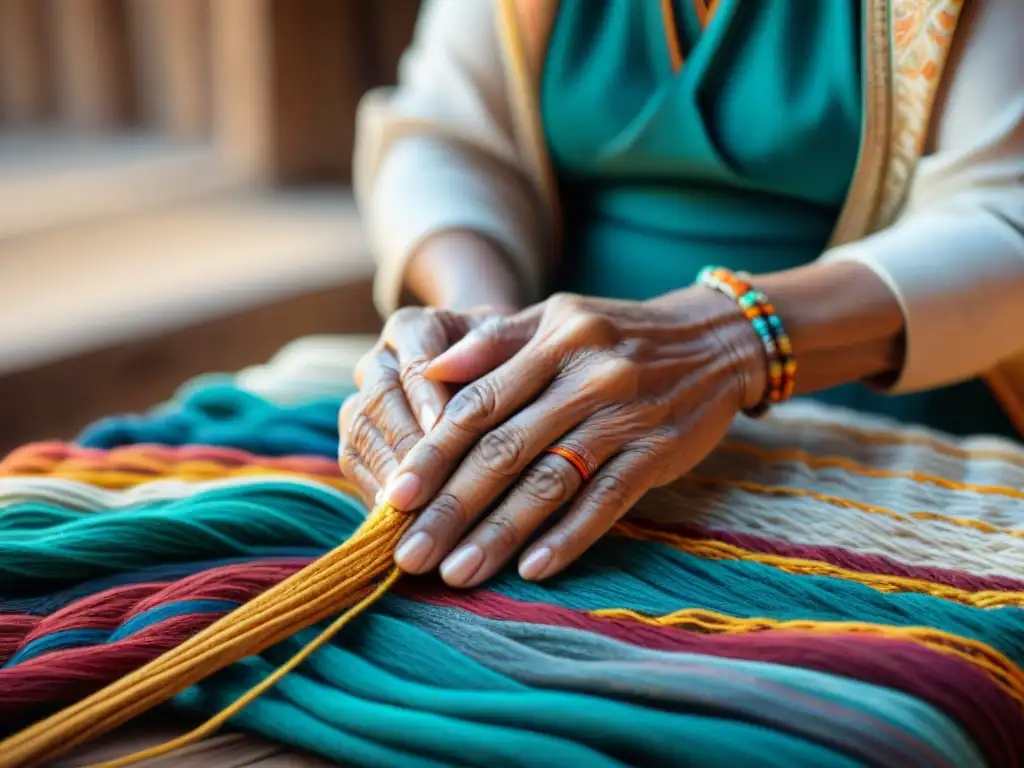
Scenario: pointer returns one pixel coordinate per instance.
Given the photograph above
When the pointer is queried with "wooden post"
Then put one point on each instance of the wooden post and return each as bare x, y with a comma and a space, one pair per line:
93, 62
287, 77
26, 71
171, 47
392, 23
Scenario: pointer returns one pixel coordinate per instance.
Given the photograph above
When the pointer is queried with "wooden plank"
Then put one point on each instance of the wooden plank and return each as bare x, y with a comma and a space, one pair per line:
288, 75
94, 66
171, 48
26, 71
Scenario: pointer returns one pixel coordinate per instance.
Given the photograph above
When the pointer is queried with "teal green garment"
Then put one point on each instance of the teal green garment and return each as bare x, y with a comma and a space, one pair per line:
742, 159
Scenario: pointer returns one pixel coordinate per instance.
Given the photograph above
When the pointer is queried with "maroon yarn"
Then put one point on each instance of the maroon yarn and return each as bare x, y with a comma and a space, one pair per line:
237, 583
844, 558
111, 608
104, 610
14, 627
953, 686
46, 683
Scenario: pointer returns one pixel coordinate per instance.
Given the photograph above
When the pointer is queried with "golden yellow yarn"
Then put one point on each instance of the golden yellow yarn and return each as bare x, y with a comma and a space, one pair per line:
346, 579
711, 549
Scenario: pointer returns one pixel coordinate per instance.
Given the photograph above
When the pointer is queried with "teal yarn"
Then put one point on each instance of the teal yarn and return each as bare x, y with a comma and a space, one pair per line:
225, 415
437, 703
223, 522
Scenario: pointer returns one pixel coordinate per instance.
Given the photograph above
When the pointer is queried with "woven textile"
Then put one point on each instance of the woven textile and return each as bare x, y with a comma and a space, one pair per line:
826, 589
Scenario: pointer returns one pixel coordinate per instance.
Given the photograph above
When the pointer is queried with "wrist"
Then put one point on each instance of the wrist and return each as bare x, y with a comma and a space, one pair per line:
719, 320
844, 323
462, 270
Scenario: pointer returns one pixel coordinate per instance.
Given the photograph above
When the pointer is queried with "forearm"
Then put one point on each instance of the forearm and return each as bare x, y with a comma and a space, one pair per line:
845, 323
461, 270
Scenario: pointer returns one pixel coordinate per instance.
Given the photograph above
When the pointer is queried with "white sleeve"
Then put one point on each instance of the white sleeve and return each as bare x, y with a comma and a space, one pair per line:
438, 151
955, 257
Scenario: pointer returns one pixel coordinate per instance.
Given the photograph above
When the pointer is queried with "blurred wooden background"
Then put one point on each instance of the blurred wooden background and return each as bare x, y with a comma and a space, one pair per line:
174, 192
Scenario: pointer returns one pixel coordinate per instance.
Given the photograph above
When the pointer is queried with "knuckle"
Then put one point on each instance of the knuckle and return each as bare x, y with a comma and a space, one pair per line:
414, 366
591, 329
405, 441
473, 404
361, 432
348, 460
546, 484
378, 393
502, 452
611, 489
563, 303
448, 509
502, 529
619, 377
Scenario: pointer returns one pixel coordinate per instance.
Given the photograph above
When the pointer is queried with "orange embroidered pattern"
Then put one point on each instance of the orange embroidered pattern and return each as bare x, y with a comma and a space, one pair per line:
922, 32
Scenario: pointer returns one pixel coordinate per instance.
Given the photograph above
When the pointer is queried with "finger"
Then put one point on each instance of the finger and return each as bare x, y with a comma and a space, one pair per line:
475, 410
601, 503
371, 447
416, 338
544, 489
484, 348
385, 405
493, 465
349, 460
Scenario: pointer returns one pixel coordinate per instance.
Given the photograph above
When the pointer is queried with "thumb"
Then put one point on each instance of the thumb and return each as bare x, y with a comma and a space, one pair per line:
483, 349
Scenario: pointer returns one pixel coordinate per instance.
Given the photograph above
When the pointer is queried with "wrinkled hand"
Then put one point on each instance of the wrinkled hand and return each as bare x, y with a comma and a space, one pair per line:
396, 403
649, 388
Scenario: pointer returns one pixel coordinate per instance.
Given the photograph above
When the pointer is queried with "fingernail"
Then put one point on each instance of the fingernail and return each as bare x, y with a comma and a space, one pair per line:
428, 418
379, 498
460, 567
412, 553
401, 491
535, 564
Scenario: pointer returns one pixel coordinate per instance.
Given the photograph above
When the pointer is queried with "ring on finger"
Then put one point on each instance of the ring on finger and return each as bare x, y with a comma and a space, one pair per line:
577, 454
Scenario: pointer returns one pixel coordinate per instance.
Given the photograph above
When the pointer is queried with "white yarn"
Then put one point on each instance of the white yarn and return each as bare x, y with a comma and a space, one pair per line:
808, 521
74, 494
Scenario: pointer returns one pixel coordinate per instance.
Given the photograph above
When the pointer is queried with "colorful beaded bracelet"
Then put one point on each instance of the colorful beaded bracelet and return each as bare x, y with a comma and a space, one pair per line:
766, 323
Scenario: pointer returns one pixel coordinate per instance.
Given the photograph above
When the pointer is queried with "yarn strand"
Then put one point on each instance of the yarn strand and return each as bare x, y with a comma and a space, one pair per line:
215, 722
343, 579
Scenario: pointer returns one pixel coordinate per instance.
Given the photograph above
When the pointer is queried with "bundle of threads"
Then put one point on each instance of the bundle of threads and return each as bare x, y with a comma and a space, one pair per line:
825, 589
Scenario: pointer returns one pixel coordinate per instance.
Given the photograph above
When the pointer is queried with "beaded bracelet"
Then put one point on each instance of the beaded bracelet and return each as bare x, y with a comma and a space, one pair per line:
766, 323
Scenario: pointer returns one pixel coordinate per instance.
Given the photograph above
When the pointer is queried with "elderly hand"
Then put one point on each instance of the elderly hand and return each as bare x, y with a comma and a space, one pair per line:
647, 389
396, 403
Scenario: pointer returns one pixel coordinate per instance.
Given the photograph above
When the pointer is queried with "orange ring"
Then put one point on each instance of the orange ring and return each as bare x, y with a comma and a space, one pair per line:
581, 459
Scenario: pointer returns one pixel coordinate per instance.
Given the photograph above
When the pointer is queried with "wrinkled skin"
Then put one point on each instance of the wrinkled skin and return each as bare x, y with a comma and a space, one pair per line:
649, 388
